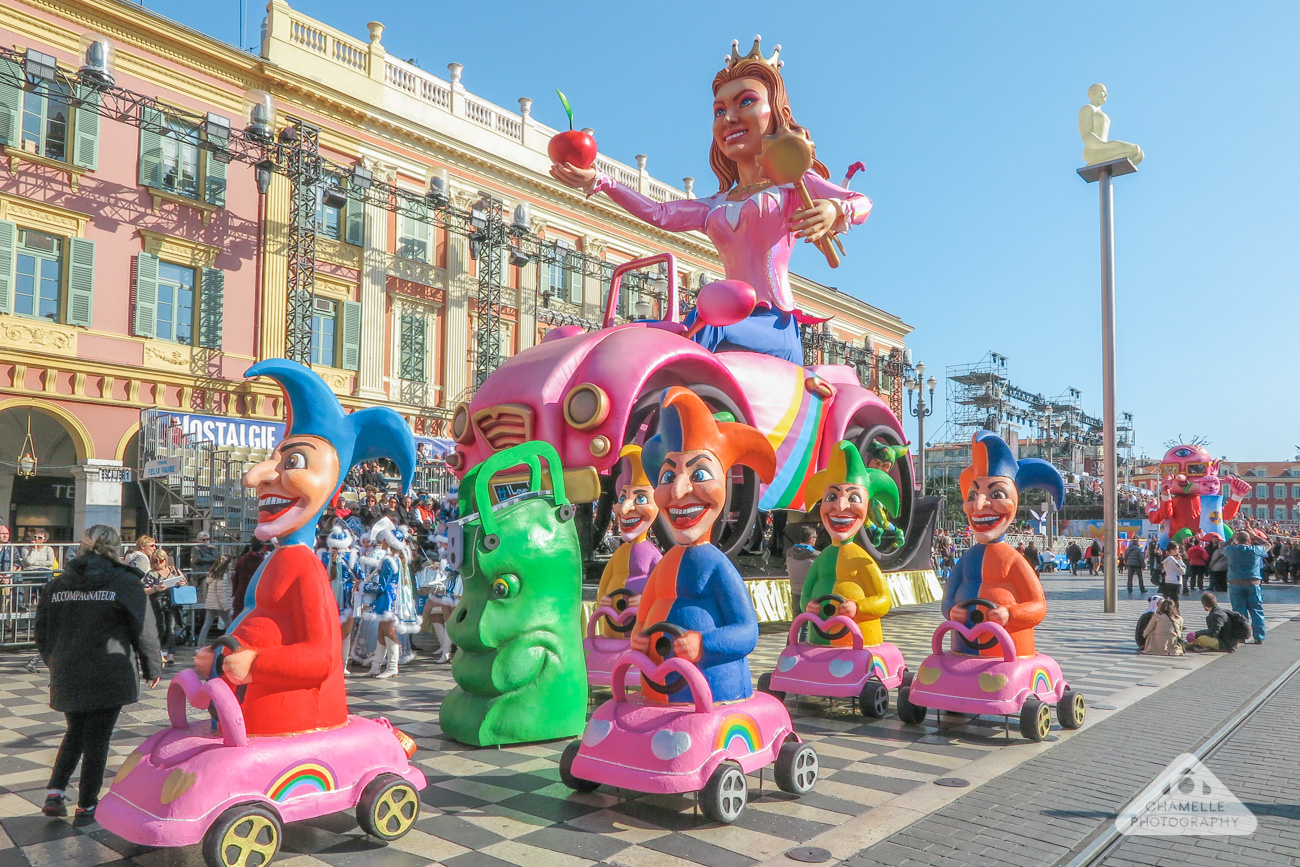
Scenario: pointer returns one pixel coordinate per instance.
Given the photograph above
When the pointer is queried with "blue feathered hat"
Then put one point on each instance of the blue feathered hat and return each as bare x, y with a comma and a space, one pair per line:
991, 456
311, 409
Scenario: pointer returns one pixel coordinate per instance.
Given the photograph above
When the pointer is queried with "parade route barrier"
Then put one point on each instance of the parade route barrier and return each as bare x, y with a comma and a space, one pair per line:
19, 592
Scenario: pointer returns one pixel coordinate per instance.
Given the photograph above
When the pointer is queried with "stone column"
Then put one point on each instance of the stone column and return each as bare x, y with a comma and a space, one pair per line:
527, 305
97, 502
594, 289
455, 320
374, 295
275, 270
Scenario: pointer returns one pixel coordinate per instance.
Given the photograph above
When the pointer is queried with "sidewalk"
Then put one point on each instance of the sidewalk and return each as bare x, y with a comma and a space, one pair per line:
1052, 805
488, 807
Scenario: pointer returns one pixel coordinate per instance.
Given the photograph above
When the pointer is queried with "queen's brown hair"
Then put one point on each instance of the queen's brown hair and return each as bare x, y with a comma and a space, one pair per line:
759, 69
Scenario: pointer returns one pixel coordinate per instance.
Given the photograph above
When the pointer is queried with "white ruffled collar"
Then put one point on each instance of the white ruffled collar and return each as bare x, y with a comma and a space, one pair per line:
767, 198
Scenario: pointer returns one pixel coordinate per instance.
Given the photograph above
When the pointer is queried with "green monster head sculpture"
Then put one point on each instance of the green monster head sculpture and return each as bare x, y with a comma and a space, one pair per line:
519, 669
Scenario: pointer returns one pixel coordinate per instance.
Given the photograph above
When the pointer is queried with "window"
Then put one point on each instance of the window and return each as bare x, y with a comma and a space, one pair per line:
1261, 512
1279, 492
324, 331
173, 159
415, 233
46, 119
41, 118
1295, 492
175, 316
45, 276
1295, 512
336, 333
1261, 491
329, 220
1279, 513
414, 341
38, 275
178, 303
562, 281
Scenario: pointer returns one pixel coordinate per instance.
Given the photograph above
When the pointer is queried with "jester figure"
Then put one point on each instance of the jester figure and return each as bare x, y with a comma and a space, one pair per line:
630, 566
695, 587
289, 650
992, 568
843, 493
1191, 495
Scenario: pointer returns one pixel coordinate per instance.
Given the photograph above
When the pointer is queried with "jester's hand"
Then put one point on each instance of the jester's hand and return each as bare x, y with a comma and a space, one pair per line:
1239, 488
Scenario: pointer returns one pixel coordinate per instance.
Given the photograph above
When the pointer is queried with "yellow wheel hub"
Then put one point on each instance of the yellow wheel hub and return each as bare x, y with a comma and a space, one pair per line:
395, 811
1044, 721
250, 842
1079, 710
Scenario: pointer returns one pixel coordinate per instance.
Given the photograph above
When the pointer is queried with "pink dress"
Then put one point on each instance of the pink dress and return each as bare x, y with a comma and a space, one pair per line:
752, 236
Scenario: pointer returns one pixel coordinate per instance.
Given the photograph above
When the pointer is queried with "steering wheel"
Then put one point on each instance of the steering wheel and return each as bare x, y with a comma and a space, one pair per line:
663, 646
830, 603
620, 599
977, 616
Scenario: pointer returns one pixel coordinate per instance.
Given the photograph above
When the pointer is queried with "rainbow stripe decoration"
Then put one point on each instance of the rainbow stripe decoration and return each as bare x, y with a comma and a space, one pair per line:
310, 778
795, 435
738, 733
878, 668
1042, 681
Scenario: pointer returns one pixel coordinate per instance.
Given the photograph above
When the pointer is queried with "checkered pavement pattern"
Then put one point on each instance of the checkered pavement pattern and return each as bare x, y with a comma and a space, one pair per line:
496, 807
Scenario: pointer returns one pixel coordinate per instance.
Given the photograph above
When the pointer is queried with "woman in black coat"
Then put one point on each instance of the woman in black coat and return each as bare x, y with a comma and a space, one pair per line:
95, 630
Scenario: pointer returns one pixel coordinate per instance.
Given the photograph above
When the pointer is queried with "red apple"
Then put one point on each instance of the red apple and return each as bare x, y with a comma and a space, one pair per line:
576, 147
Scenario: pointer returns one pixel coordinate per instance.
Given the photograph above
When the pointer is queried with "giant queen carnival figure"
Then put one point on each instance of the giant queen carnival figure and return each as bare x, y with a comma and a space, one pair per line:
754, 220
591, 393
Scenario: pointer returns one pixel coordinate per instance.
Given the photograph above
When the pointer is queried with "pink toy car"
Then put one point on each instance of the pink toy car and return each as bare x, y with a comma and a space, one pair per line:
1028, 686
645, 746
188, 783
864, 673
603, 651
590, 393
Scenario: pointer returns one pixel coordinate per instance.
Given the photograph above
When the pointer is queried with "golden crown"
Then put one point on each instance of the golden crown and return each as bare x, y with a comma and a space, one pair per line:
755, 54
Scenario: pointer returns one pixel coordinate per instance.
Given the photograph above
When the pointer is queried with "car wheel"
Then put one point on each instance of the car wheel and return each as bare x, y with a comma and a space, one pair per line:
578, 784
724, 796
1070, 710
912, 714
765, 685
796, 768
873, 701
247, 835
1035, 719
388, 807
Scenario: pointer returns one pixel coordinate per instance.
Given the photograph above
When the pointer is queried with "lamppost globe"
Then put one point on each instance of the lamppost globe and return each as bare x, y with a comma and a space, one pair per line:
931, 383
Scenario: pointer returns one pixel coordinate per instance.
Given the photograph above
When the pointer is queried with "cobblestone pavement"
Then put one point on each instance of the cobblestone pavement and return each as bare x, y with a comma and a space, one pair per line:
1047, 810
490, 807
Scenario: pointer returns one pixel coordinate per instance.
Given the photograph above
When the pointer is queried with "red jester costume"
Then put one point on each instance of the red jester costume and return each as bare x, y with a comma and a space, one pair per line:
288, 660
992, 569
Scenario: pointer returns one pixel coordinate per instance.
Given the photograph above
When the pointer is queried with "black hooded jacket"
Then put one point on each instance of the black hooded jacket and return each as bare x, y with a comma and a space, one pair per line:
95, 630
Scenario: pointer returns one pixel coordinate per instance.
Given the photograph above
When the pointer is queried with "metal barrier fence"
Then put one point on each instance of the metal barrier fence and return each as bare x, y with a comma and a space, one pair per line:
19, 592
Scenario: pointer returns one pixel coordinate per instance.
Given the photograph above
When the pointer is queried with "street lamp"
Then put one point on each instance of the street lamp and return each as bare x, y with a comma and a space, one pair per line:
1047, 419
921, 411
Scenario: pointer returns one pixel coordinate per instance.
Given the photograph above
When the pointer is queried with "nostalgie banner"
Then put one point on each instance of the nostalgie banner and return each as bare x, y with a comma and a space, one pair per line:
239, 433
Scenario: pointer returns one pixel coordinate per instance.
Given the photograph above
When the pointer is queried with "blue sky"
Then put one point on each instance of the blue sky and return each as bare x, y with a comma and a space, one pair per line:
982, 237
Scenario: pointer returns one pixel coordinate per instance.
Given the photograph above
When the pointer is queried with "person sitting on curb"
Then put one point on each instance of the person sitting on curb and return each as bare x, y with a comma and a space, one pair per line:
1215, 634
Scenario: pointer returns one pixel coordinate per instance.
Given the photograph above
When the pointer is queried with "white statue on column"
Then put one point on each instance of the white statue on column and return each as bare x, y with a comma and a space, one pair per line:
1094, 129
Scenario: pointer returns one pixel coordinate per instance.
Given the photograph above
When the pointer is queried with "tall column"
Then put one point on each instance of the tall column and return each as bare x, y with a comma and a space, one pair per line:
374, 295
97, 502
455, 320
527, 305
275, 274
593, 288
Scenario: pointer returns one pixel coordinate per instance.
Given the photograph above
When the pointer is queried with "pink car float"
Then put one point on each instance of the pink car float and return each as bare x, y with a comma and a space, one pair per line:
189, 784
590, 393
603, 651
1006, 686
630, 743
864, 673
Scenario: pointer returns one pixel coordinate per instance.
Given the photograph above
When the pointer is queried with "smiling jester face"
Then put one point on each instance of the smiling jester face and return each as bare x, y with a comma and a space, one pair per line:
844, 511
692, 491
990, 506
293, 485
635, 511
